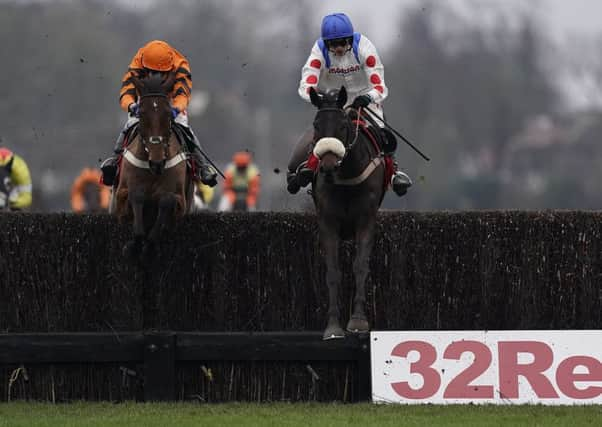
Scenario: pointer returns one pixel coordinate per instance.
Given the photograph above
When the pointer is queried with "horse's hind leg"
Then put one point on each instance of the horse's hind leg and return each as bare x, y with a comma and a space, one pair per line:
136, 200
358, 323
330, 243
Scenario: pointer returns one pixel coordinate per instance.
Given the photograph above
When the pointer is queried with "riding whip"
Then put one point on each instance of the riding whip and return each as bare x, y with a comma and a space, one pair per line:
398, 134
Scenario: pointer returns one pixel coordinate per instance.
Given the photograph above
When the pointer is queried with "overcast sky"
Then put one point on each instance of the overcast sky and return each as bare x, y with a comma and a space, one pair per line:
560, 17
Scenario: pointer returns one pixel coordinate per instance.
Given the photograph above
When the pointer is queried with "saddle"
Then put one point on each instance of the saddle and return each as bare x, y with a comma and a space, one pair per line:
384, 143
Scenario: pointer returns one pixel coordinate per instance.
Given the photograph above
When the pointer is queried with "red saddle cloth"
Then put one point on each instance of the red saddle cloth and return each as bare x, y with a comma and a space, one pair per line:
313, 162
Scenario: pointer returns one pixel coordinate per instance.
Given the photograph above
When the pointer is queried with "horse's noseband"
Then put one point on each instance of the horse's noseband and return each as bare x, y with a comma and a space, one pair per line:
350, 145
155, 140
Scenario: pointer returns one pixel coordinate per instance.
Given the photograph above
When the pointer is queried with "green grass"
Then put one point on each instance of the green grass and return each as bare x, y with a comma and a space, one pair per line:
182, 415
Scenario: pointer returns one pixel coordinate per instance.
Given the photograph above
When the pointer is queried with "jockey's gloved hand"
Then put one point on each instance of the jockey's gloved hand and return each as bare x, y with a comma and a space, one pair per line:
133, 109
361, 101
174, 112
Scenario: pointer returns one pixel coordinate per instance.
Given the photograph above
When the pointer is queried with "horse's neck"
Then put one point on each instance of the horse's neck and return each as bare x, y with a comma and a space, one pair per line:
358, 157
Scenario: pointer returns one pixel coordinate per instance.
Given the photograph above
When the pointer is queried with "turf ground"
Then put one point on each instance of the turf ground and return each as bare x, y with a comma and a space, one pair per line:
181, 414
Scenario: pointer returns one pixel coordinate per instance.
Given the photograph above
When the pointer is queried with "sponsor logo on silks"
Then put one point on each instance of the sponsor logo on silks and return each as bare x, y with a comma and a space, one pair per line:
338, 70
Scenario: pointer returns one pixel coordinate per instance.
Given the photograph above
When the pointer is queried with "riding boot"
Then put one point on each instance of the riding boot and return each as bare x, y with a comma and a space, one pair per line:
292, 184
400, 182
302, 177
205, 172
109, 166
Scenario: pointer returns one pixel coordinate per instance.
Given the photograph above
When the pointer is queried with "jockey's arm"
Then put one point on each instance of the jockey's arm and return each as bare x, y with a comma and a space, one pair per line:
310, 73
77, 198
228, 182
253, 191
20, 195
127, 94
374, 69
183, 86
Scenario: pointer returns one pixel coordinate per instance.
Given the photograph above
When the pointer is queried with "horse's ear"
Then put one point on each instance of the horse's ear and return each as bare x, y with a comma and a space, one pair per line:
314, 97
168, 83
138, 84
342, 98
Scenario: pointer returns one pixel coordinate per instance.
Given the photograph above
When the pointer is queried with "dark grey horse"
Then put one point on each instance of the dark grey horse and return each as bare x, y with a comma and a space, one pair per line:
347, 191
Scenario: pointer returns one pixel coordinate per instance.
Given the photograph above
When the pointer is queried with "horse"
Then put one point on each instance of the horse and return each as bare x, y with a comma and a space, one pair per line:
347, 191
154, 187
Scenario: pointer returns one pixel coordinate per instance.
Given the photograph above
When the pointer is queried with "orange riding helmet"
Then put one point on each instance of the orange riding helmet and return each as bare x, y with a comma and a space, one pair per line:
157, 56
241, 159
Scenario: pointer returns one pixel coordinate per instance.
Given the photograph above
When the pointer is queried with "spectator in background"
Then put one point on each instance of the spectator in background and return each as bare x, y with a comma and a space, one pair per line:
203, 196
88, 194
15, 182
241, 186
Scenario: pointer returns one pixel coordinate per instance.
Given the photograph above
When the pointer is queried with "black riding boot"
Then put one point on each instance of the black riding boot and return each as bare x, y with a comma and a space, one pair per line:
205, 172
109, 166
400, 182
302, 177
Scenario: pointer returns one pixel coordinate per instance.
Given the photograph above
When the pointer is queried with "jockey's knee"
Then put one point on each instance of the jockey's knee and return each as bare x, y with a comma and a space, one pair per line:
389, 142
182, 119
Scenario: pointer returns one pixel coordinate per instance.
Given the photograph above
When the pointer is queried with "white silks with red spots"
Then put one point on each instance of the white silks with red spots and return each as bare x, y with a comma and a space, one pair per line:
365, 77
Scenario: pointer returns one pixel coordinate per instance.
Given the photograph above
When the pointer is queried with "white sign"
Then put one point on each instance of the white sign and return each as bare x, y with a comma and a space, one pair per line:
501, 367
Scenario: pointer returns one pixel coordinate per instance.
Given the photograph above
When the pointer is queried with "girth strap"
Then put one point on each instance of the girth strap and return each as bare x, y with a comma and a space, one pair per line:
143, 164
376, 162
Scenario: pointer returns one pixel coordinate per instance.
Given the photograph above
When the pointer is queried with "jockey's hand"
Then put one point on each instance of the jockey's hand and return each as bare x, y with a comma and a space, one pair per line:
361, 101
133, 109
174, 112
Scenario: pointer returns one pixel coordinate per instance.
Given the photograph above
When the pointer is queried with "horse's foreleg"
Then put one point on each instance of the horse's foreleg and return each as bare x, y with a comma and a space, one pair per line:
364, 238
136, 200
330, 243
168, 203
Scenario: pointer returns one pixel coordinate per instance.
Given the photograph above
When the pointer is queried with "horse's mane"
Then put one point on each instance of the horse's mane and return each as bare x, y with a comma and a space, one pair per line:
153, 83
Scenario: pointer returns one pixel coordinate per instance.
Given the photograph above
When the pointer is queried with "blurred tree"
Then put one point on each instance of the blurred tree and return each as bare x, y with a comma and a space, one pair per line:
464, 90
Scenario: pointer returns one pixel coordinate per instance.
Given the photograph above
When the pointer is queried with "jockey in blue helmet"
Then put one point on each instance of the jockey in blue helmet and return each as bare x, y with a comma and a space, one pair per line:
342, 57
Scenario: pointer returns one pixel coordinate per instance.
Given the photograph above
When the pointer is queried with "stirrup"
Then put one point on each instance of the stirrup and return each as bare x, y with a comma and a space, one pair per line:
109, 169
305, 175
400, 182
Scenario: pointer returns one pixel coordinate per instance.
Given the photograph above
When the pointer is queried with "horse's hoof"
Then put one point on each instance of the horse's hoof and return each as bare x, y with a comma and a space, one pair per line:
358, 326
333, 334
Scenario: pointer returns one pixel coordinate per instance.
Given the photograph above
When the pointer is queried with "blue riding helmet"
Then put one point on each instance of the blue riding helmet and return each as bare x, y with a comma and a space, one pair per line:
336, 26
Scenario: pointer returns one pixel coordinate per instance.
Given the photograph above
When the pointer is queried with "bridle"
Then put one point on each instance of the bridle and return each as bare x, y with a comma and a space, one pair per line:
350, 146
158, 139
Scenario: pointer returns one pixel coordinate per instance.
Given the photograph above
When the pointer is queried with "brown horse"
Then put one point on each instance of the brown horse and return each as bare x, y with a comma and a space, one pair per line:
347, 191
154, 187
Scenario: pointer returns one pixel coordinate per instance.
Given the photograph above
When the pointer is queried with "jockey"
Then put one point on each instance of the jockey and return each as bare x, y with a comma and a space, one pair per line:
158, 56
241, 184
16, 181
88, 176
342, 57
203, 196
